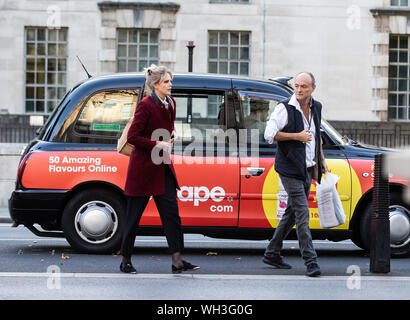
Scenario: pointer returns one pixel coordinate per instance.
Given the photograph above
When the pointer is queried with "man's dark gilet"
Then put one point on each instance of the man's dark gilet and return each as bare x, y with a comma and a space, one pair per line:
291, 154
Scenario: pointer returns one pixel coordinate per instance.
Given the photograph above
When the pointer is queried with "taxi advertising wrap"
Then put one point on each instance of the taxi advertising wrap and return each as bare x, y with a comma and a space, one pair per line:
261, 199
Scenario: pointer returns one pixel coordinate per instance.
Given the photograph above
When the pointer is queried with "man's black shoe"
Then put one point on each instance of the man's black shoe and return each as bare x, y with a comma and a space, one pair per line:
277, 262
313, 270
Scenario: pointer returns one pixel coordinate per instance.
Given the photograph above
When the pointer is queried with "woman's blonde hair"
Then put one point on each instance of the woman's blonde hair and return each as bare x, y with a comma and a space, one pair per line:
154, 74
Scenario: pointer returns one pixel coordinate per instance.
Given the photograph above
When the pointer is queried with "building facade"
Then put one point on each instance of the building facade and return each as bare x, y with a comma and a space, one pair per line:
358, 50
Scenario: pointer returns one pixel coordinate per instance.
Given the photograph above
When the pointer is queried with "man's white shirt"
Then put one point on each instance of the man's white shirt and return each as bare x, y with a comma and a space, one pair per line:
279, 119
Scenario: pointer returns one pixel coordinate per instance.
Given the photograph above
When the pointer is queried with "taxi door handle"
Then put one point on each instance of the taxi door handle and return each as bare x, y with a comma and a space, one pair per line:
254, 171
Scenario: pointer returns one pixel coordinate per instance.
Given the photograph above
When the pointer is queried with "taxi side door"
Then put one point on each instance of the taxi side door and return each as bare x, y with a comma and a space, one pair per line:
257, 175
263, 199
204, 157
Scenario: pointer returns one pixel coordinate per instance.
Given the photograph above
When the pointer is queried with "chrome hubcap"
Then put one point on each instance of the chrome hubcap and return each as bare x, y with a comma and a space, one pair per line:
96, 222
399, 226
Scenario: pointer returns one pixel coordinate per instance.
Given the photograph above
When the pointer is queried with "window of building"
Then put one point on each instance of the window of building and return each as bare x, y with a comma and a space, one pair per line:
399, 89
137, 49
45, 68
399, 3
229, 52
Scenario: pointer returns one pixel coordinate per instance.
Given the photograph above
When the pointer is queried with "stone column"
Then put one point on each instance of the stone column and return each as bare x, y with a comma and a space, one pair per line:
380, 67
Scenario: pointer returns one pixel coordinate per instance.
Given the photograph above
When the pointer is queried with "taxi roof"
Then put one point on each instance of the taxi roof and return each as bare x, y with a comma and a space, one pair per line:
187, 80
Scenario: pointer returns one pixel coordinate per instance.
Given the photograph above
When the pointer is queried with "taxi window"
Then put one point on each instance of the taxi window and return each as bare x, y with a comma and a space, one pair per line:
198, 114
106, 113
257, 108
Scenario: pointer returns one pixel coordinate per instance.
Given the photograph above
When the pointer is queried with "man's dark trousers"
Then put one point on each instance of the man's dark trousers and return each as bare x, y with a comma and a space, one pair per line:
297, 211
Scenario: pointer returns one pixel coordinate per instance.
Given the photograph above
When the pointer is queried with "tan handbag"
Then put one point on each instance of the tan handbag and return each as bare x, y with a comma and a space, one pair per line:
123, 146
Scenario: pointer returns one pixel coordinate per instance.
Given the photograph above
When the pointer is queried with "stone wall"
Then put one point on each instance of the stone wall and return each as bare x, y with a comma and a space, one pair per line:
9, 160
336, 40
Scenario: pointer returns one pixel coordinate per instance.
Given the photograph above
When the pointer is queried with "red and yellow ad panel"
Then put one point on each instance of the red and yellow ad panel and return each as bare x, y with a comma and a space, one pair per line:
263, 200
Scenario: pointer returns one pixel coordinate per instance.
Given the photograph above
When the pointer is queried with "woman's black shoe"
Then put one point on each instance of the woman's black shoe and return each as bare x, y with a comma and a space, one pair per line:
127, 268
187, 266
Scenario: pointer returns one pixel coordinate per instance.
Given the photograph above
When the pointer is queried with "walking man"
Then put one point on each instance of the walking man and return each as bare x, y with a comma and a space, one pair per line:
295, 125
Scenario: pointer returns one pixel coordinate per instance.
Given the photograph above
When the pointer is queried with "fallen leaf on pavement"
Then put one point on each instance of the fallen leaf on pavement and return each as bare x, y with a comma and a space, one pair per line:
64, 257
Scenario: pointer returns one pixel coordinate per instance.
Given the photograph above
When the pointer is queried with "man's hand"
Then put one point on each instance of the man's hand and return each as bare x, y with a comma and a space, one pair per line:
325, 169
305, 136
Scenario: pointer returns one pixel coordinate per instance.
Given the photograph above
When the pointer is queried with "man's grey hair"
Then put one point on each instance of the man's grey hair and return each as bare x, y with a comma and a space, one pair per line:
311, 76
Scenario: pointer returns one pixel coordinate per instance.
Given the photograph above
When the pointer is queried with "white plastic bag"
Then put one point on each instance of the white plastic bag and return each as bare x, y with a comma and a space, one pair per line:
331, 213
282, 201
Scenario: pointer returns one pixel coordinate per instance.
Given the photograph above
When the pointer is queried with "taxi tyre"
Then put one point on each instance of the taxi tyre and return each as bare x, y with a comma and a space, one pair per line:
402, 248
92, 221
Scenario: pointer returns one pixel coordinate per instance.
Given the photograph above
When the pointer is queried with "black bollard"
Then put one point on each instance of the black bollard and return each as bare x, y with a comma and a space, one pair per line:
380, 223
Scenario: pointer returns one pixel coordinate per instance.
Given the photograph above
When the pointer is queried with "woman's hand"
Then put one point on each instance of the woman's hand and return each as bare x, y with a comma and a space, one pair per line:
166, 146
173, 136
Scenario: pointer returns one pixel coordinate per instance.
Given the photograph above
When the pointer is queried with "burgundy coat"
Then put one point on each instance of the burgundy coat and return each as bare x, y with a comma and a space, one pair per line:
144, 177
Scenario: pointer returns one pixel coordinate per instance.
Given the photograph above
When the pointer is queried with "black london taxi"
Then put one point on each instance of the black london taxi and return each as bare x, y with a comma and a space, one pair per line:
71, 177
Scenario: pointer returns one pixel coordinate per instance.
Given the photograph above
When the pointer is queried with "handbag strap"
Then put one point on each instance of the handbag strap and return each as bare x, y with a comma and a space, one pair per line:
134, 102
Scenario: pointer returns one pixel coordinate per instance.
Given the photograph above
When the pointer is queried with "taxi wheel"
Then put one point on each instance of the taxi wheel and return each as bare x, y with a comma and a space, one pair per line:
399, 213
92, 221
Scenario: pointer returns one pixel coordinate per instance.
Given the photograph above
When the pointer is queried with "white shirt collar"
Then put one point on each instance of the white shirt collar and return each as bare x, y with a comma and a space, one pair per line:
165, 102
294, 102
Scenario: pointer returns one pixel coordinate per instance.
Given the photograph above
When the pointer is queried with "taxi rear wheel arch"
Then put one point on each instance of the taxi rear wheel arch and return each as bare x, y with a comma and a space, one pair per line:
92, 220
355, 222
398, 208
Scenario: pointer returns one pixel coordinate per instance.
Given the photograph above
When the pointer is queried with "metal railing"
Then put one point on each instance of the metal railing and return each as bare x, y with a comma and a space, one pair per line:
381, 134
17, 134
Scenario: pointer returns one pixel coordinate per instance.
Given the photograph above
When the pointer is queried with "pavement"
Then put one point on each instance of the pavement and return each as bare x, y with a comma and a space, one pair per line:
5, 215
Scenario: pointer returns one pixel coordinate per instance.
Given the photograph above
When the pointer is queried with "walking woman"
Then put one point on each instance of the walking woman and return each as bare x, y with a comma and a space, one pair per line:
146, 177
